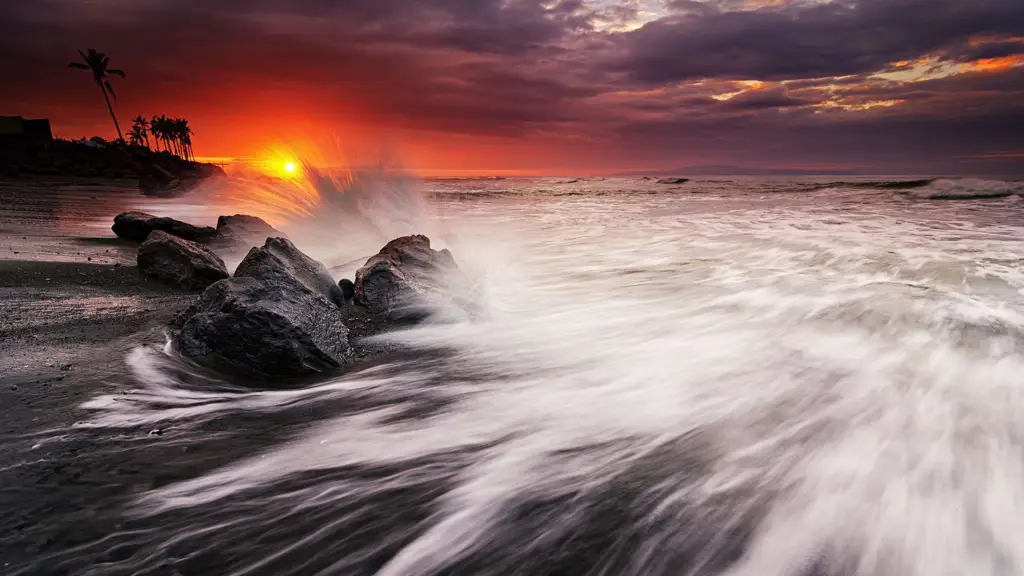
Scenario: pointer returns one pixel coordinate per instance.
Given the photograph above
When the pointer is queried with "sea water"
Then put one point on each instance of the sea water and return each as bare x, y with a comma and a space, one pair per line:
743, 377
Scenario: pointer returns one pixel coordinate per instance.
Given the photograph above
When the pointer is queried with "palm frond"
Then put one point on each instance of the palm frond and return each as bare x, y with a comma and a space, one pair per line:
78, 66
116, 72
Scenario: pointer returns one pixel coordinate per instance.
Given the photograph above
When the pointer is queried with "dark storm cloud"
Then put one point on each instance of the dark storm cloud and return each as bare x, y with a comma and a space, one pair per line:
969, 52
810, 40
552, 69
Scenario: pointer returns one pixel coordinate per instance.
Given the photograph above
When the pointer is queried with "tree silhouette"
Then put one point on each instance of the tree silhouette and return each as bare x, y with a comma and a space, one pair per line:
184, 136
135, 136
174, 134
161, 131
142, 126
99, 63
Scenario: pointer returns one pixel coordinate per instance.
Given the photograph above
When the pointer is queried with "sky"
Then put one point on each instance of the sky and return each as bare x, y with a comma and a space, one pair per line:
545, 86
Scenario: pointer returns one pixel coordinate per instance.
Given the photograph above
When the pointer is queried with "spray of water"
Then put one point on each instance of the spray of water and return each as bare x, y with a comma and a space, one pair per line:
340, 215
663, 385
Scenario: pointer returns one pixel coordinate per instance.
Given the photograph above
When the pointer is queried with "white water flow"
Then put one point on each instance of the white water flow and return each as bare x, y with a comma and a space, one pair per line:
719, 378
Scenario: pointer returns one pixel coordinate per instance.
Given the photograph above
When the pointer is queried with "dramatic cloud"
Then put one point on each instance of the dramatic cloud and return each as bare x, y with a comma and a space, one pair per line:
563, 85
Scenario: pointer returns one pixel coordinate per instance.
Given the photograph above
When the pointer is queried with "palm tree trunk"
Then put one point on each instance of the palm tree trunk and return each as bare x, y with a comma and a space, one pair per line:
111, 108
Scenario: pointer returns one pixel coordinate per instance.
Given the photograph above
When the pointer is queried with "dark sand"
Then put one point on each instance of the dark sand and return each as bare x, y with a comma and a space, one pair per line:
72, 306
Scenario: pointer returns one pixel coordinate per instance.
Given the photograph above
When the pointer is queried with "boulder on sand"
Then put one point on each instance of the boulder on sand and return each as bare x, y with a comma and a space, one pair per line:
280, 259
269, 327
408, 275
178, 262
244, 231
137, 226
274, 318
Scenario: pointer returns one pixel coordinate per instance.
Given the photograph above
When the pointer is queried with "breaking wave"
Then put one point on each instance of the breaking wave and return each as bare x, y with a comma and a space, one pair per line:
662, 385
968, 189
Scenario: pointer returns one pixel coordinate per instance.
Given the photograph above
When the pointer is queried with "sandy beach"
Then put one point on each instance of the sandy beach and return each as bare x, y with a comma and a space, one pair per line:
72, 307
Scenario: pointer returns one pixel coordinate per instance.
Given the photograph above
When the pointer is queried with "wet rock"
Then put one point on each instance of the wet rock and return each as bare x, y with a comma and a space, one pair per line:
408, 276
244, 231
138, 225
673, 180
180, 263
279, 259
348, 289
272, 327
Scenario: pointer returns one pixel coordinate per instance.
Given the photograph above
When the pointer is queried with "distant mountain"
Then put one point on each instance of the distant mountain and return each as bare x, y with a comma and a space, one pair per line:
726, 170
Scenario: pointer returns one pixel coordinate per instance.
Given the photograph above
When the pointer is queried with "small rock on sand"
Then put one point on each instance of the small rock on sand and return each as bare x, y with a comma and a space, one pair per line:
138, 225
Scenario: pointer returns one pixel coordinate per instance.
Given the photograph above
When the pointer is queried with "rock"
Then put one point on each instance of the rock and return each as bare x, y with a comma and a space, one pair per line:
273, 327
673, 180
178, 262
279, 259
408, 274
348, 289
137, 226
240, 232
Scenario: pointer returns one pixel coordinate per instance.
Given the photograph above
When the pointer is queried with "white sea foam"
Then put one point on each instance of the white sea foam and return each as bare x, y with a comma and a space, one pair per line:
968, 188
836, 376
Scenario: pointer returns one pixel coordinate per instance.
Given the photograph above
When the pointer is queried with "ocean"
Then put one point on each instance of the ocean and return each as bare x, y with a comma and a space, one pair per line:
745, 376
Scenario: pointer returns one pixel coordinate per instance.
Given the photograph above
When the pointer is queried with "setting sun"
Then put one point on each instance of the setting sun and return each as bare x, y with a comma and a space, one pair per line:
289, 167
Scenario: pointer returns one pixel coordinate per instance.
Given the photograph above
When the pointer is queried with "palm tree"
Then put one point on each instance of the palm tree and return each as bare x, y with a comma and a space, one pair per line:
161, 131
184, 134
98, 63
135, 136
142, 125
175, 130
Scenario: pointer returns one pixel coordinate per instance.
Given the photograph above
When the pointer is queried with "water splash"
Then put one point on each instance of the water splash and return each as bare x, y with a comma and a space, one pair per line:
663, 385
337, 215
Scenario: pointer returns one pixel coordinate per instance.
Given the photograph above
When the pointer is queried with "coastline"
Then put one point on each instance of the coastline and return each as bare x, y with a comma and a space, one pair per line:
73, 308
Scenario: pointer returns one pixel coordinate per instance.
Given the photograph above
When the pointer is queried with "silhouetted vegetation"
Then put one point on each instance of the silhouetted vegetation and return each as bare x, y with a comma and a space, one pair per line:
99, 64
175, 135
170, 134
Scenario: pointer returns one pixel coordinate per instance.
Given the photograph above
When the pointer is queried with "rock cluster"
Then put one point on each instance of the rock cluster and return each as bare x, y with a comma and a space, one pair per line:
282, 315
232, 232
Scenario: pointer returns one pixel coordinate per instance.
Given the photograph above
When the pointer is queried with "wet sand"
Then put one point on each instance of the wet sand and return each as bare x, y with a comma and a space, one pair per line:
72, 304
72, 307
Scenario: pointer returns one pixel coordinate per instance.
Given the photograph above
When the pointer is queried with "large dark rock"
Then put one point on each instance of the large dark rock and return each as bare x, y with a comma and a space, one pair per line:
407, 274
178, 262
137, 226
244, 231
273, 327
278, 316
279, 259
